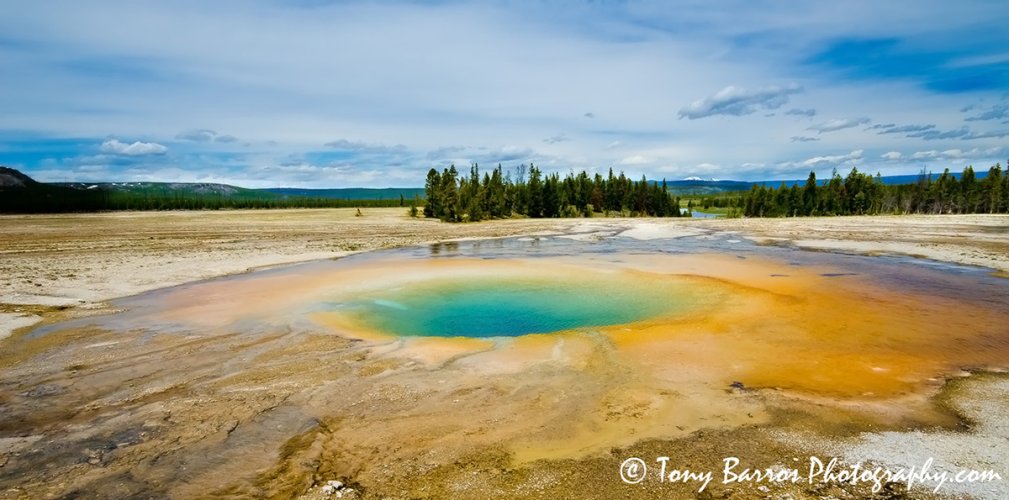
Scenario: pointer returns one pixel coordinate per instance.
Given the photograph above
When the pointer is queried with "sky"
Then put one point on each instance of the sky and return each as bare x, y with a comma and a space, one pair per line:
316, 93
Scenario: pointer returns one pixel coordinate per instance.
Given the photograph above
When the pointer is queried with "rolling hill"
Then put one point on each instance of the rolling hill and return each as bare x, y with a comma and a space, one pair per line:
20, 193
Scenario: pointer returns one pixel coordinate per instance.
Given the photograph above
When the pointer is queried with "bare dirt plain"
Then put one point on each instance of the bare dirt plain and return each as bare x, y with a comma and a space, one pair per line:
49, 263
59, 267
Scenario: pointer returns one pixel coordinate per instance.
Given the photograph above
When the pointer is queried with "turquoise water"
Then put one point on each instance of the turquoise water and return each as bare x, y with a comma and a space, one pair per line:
512, 307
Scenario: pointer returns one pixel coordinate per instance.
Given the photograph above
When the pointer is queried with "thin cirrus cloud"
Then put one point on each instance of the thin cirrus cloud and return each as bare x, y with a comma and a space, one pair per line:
892, 128
838, 124
809, 113
205, 135
738, 101
996, 112
962, 133
802, 138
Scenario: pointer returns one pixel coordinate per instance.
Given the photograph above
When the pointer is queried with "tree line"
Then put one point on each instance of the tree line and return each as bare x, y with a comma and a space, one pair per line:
455, 197
42, 198
862, 194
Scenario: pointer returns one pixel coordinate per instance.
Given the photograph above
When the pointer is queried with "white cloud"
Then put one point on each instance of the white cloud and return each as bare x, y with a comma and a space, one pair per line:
834, 160
113, 146
959, 154
838, 124
636, 160
736, 101
891, 155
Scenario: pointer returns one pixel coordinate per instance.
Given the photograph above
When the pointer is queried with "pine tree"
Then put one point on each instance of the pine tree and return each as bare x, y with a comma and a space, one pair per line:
810, 199
432, 190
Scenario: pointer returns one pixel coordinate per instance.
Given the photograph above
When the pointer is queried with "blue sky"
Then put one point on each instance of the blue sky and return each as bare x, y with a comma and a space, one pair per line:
315, 93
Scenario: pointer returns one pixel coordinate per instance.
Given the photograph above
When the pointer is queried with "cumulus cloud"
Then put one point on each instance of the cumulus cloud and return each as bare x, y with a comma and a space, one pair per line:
737, 101
819, 161
802, 138
113, 146
802, 112
892, 156
838, 124
958, 154
933, 154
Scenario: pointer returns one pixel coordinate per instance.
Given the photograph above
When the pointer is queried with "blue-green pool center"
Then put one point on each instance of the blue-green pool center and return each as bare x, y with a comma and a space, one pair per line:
509, 307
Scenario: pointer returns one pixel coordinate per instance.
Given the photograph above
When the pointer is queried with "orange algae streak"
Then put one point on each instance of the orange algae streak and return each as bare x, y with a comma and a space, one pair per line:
795, 329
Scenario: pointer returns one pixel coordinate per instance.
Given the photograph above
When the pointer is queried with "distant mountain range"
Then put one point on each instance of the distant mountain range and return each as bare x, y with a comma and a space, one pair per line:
227, 190
13, 179
698, 186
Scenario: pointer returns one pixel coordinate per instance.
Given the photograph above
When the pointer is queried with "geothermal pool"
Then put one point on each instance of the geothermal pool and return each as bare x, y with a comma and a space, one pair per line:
519, 305
486, 359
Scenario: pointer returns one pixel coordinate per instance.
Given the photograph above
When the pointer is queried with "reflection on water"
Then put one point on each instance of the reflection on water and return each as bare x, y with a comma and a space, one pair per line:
448, 247
260, 384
